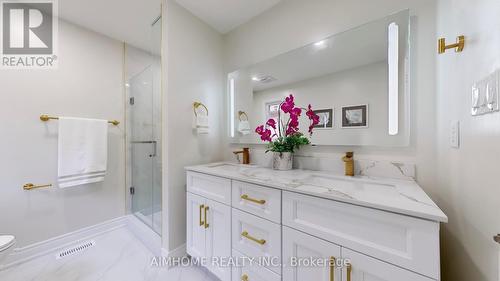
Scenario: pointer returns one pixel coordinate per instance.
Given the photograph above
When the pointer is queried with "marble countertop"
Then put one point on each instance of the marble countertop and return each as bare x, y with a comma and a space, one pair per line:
394, 195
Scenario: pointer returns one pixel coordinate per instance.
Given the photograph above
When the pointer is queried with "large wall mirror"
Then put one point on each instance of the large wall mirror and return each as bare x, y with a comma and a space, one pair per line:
356, 80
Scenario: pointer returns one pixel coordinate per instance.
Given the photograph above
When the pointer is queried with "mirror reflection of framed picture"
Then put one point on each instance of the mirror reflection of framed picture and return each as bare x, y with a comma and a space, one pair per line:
355, 116
326, 118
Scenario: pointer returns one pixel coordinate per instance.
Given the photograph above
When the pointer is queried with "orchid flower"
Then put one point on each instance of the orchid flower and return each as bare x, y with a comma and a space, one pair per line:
288, 135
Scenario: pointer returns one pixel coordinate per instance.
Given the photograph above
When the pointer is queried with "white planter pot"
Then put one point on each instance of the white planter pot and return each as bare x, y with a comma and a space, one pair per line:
282, 161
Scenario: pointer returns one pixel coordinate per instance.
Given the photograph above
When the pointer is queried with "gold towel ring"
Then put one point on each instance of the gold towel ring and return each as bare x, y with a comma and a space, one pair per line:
196, 105
241, 113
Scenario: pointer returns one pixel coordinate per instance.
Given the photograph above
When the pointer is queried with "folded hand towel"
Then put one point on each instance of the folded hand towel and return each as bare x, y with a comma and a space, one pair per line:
202, 124
244, 127
82, 151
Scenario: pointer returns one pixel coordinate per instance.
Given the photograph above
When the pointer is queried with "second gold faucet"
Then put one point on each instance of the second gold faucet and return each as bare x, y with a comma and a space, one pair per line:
349, 163
246, 155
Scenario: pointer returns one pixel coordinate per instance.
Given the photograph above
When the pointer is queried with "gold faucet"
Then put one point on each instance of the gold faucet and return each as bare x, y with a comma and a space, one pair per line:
246, 155
349, 163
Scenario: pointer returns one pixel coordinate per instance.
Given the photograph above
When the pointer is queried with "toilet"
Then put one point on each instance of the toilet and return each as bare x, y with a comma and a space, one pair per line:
7, 243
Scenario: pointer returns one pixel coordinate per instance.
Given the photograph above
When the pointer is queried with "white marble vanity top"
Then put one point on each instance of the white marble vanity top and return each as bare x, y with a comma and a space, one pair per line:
399, 196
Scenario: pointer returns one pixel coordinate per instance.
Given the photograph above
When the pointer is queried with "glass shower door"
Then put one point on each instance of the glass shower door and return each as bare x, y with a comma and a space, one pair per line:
144, 129
143, 146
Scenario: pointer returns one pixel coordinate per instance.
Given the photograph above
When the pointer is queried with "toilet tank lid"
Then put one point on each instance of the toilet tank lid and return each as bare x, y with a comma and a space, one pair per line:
6, 241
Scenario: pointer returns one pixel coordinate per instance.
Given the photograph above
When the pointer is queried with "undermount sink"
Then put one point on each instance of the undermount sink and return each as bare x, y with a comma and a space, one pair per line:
229, 166
344, 186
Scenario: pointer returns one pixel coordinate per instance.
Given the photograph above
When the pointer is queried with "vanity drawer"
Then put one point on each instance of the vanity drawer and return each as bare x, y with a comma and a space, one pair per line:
256, 237
211, 187
258, 200
405, 241
253, 272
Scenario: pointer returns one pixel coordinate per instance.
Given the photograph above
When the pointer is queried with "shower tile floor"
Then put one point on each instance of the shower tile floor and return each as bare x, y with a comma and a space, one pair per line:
154, 219
117, 256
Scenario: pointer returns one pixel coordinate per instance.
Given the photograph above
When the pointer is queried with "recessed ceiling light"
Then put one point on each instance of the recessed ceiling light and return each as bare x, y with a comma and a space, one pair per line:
319, 43
263, 78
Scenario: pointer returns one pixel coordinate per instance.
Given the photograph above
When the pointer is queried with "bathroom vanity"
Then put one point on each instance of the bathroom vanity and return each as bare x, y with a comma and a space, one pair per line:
382, 229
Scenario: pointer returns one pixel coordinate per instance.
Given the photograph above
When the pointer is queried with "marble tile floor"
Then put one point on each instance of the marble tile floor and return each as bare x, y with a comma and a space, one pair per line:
117, 256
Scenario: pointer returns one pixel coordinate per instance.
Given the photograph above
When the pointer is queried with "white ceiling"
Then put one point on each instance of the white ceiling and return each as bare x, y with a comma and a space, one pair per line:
124, 20
225, 15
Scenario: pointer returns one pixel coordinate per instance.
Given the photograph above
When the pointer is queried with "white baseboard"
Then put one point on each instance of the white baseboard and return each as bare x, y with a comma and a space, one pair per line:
23, 254
145, 234
178, 252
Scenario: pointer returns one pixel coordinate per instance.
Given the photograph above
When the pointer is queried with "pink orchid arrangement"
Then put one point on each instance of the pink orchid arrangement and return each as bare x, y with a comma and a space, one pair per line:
286, 135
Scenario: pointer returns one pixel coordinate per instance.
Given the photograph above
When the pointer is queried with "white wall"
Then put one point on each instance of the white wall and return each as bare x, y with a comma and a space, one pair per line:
469, 190
294, 23
88, 83
194, 72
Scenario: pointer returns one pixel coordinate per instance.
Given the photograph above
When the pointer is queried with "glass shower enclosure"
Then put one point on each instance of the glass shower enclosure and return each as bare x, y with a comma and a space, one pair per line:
143, 90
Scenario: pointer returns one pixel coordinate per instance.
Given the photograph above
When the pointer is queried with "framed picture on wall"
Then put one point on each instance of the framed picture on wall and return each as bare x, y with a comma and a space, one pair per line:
326, 118
355, 116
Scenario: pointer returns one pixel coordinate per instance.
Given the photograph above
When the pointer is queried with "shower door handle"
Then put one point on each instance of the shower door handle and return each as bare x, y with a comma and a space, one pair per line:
154, 149
154, 143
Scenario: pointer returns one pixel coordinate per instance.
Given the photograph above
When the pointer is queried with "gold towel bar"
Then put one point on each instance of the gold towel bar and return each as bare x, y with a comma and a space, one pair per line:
30, 186
45, 117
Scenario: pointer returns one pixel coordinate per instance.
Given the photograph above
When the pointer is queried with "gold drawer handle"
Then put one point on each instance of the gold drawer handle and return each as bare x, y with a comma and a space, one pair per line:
30, 186
201, 220
206, 220
258, 241
332, 268
244, 277
349, 271
245, 197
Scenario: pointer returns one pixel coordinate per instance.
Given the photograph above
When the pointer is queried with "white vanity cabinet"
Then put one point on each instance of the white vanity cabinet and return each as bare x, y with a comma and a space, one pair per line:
365, 268
404, 241
312, 236
209, 231
298, 247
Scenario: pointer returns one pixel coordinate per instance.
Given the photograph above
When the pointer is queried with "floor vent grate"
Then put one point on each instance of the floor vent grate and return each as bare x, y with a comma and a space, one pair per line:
76, 249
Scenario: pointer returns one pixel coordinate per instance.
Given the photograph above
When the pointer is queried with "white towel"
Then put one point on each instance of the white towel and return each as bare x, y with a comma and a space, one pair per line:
202, 124
83, 151
244, 127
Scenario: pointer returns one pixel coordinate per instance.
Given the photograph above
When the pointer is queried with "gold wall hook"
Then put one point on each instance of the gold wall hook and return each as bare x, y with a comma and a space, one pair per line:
458, 46
197, 104
30, 186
